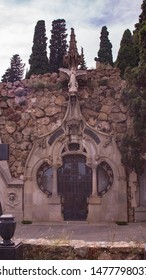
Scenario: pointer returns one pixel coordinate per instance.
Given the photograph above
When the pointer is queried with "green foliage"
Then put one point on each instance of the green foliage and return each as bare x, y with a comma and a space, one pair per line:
103, 82
105, 50
132, 153
26, 222
42, 85
38, 59
127, 53
58, 45
83, 62
16, 70
121, 223
140, 35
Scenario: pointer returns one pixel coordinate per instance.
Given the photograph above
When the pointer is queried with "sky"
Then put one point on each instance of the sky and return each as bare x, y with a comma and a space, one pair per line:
18, 19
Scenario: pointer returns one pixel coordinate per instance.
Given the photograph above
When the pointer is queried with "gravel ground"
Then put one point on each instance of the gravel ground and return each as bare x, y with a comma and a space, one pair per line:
109, 232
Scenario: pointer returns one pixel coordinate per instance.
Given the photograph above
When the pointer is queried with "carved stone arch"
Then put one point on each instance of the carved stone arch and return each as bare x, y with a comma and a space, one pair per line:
33, 164
116, 170
87, 147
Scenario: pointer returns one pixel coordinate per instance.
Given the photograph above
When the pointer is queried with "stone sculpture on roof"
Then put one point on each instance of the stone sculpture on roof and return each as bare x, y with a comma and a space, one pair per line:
72, 60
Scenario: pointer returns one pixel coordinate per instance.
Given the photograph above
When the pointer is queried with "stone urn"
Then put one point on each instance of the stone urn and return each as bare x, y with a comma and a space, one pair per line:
7, 229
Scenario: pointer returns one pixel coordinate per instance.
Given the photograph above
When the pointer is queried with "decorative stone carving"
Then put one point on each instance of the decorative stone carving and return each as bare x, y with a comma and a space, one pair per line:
42, 143
72, 60
12, 200
108, 141
104, 126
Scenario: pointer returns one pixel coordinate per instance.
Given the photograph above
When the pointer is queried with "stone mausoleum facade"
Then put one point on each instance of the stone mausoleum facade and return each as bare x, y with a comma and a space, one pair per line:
64, 132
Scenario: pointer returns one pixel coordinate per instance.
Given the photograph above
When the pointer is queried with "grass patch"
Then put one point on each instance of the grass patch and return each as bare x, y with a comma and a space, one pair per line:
26, 222
121, 223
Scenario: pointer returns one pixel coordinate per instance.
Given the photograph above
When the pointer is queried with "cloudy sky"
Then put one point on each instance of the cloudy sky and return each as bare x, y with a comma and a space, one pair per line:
19, 17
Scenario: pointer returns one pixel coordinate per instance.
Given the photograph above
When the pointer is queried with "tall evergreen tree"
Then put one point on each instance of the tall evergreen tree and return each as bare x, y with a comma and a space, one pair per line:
58, 45
15, 71
127, 53
142, 34
83, 62
105, 50
38, 59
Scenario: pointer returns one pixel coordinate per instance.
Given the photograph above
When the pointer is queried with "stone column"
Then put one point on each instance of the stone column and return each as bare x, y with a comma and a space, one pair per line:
54, 191
94, 180
55, 214
94, 201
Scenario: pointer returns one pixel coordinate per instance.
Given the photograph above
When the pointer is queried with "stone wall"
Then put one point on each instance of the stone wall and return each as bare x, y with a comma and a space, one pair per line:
43, 251
29, 109
32, 108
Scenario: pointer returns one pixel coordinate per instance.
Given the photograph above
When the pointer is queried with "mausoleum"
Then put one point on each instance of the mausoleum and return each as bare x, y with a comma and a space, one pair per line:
64, 133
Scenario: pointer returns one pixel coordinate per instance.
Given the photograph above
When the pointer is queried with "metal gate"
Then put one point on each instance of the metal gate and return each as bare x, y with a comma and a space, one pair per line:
74, 186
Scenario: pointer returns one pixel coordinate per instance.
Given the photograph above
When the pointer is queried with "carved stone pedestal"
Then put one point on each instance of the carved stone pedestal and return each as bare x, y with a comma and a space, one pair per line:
55, 214
94, 209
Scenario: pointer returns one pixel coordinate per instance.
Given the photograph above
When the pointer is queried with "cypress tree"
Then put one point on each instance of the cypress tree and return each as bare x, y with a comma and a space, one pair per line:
142, 34
58, 45
83, 62
127, 53
38, 59
105, 50
15, 71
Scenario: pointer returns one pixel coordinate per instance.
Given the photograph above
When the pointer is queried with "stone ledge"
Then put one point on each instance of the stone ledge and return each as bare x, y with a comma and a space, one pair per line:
80, 250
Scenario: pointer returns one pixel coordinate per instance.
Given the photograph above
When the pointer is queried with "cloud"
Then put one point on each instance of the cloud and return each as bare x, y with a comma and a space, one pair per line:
18, 19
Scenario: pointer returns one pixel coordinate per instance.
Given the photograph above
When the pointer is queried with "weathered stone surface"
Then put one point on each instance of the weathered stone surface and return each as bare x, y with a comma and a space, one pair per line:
60, 100
11, 93
10, 103
20, 91
26, 146
52, 110
9, 85
92, 121
104, 256
10, 127
3, 104
25, 116
44, 121
39, 113
16, 117
103, 117
27, 131
115, 109
2, 120
118, 117
123, 108
22, 124
90, 112
106, 109
4, 92
42, 129
103, 126
85, 94
43, 102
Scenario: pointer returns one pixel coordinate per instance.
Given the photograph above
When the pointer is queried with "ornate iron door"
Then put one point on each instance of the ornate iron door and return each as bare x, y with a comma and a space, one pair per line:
74, 186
